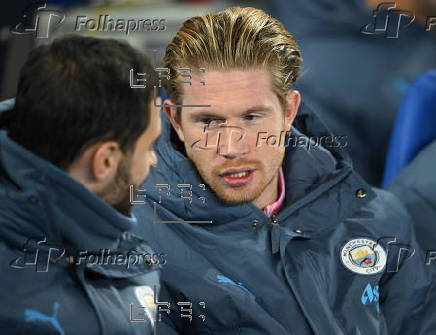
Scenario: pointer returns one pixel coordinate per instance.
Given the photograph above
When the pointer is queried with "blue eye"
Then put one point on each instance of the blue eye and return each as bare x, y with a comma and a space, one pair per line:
206, 121
251, 117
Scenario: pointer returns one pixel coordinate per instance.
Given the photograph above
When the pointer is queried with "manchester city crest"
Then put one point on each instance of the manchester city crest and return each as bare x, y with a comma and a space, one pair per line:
363, 256
145, 295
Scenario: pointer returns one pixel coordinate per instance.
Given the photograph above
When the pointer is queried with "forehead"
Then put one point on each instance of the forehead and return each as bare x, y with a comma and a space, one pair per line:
225, 89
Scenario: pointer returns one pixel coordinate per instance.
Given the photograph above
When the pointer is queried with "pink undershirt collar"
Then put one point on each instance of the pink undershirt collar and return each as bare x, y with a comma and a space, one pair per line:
274, 208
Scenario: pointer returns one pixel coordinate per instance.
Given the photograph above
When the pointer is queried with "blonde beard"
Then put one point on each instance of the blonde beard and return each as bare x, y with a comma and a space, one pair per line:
238, 195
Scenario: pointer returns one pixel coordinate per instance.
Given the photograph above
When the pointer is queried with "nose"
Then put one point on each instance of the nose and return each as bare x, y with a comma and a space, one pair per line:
232, 143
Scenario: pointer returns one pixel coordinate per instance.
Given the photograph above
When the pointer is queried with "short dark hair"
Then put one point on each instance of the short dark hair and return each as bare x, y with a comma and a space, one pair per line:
76, 92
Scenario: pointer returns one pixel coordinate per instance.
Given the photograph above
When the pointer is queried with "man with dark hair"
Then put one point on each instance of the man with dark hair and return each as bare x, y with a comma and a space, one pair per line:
75, 141
269, 234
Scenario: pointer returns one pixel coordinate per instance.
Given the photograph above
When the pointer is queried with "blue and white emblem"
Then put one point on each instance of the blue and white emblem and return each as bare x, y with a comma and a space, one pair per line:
363, 256
145, 296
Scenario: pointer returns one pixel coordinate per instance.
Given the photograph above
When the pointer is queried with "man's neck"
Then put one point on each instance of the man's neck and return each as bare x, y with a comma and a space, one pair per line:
269, 195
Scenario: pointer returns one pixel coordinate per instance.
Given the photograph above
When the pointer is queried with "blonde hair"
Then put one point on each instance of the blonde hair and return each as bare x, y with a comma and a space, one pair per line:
236, 38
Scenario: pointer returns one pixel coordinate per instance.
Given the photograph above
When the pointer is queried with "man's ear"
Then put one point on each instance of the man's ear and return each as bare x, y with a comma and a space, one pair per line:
294, 100
104, 161
97, 165
175, 118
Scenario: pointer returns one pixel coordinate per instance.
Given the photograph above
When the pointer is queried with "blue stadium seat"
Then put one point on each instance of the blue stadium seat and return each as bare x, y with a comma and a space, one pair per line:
415, 126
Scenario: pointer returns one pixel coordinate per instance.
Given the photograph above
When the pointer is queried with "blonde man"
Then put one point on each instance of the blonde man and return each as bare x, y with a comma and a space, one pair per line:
297, 242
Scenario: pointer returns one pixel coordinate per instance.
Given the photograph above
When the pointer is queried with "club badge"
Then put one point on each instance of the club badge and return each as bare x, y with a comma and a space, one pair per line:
145, 296
363, 256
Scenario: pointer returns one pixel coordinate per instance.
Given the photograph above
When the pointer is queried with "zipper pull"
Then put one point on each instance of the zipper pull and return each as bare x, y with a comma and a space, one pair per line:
275, 234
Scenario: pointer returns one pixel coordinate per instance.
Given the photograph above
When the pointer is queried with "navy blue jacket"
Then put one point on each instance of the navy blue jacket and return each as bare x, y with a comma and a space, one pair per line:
290, 274
50, 226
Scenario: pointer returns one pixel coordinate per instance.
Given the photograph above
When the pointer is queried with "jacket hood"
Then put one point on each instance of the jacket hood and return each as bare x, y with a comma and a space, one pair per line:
309, 173
38, 199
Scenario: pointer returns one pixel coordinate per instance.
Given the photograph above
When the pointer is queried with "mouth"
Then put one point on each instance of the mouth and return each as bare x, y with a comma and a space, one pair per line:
237, 177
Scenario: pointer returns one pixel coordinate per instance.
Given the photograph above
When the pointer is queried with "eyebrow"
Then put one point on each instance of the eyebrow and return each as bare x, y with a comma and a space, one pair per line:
204, 115
198, 116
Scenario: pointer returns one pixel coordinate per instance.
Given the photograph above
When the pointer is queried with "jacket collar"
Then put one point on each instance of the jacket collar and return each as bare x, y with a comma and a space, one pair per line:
40, 200
318, 179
